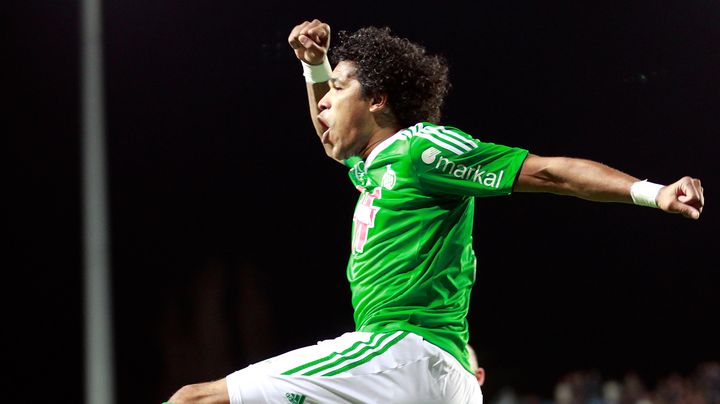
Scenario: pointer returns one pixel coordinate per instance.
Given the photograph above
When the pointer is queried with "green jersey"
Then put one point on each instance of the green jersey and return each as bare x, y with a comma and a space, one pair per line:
412, 264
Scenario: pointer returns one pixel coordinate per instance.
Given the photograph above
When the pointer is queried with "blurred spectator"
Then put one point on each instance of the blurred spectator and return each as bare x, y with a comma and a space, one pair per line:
612, 392
588, 387
702, 387
579, 387
633, 390
707, 380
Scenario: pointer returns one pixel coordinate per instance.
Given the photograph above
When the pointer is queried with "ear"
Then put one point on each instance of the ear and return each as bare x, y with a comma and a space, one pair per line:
378, 102
480, 376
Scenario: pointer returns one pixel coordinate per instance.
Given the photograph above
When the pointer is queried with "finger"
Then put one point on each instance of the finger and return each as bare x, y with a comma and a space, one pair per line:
689, 192
699, 200
314, 34
685, 210
313, 50
702, 198
295, 32
293, 37
701, 191
317, 30
306, 41
308, 25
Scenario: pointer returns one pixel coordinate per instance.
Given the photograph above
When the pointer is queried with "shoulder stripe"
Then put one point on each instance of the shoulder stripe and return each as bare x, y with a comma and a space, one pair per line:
457, 135
406, 133
440, 143
447, 138
414, 129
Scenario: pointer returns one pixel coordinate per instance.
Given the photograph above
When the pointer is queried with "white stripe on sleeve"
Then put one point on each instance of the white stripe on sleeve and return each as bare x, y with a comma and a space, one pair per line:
439, 143
447, 138
457, 135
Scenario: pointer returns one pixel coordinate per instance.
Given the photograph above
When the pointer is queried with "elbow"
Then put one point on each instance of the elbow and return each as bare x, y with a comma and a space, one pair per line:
557, 174
550, 172
546, 174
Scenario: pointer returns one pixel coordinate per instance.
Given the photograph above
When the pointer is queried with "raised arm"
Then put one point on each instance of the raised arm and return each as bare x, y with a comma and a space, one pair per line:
597, 182
310, 42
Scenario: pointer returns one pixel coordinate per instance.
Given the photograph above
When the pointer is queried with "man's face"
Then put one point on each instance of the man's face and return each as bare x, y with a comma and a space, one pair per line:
345, 114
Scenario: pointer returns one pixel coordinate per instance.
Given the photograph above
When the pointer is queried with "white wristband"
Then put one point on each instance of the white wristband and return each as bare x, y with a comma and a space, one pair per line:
317, 73
644, 193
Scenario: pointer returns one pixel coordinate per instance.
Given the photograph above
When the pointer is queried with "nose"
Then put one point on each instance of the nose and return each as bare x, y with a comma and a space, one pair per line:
324, 103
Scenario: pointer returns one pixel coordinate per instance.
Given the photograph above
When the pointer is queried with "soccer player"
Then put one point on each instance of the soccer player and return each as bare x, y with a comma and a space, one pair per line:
411, 266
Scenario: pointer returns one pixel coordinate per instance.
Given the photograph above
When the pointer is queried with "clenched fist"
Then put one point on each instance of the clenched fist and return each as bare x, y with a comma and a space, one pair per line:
685, 196
310, 41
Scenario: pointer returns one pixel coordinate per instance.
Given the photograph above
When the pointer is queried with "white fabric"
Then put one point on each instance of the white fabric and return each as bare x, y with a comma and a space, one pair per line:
317, 73
645, 193
410, 370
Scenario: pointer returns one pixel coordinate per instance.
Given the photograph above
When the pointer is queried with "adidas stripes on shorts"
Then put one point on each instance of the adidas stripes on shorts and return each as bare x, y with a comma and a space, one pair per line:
358, 367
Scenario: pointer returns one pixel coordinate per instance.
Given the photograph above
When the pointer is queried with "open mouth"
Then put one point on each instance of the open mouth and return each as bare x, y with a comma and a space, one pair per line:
326, 130
324, 124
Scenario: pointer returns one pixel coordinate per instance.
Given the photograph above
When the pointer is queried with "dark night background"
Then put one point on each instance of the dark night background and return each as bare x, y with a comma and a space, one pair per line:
230, 228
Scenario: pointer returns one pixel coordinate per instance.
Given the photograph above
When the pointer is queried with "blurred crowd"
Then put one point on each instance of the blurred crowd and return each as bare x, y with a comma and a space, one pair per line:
702, 386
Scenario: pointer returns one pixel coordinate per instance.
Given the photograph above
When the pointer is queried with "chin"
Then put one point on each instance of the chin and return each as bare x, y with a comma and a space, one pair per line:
346, 154
337, 155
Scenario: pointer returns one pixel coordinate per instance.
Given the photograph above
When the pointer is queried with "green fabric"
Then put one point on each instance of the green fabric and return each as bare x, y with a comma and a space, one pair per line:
412, 265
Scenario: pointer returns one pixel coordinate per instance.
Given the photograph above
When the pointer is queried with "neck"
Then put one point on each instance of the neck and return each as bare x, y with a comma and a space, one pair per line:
376, 138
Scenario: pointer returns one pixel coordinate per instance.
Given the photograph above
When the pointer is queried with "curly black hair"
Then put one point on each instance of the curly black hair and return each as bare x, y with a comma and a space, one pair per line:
416, 83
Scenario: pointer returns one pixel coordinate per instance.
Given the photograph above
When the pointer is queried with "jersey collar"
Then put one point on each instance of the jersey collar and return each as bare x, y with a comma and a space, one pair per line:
382, 146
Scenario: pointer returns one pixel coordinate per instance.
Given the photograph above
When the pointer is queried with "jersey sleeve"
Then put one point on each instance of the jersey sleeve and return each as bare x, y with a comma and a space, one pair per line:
449, 161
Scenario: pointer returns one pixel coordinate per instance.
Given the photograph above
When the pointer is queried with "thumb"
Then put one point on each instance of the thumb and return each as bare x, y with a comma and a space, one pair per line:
313, 52
685, 210
684, 198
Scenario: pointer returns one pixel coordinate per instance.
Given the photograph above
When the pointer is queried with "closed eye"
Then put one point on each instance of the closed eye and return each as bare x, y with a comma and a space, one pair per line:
334, 84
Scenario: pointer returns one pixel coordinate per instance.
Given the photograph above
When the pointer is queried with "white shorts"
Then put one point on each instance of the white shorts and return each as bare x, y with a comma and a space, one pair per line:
358, 367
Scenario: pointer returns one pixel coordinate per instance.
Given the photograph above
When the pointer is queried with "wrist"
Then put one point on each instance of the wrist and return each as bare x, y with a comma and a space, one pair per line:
644, 193
317, 73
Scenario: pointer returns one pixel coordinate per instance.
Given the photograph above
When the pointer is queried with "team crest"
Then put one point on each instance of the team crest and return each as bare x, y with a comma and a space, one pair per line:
389, 178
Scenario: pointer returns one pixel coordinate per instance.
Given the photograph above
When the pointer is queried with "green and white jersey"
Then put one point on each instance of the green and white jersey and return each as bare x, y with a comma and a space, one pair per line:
412, 264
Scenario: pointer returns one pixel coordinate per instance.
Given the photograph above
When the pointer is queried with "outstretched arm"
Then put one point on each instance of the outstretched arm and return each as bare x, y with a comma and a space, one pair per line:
597, 182
310, 42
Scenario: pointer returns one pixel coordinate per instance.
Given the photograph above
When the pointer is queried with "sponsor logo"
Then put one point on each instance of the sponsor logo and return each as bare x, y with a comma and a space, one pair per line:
428, 156
476, 174
295, 398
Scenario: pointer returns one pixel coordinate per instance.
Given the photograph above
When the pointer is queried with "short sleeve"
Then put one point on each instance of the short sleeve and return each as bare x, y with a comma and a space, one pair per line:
449, 161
